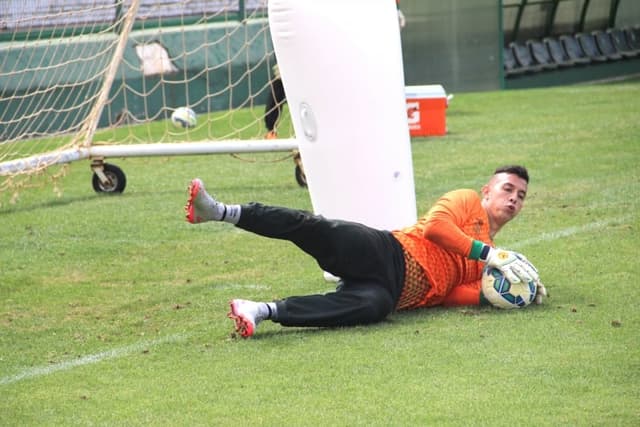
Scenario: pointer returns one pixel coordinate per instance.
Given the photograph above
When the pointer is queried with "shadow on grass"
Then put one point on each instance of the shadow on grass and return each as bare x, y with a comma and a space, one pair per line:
49, 203
396, 320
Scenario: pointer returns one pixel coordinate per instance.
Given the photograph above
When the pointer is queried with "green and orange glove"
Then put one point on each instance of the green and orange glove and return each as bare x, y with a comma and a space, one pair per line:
515, 266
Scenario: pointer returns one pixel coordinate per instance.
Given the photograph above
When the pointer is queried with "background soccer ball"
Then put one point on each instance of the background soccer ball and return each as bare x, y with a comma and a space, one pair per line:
184, 117
502, 294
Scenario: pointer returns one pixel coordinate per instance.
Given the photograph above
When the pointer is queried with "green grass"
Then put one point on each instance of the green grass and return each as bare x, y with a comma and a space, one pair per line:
112, 308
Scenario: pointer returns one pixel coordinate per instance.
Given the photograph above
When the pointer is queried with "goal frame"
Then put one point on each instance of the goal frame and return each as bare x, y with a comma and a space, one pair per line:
81, 147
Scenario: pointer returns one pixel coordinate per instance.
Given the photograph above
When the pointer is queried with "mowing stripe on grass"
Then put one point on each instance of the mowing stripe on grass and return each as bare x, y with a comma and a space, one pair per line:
88, 360
546, 237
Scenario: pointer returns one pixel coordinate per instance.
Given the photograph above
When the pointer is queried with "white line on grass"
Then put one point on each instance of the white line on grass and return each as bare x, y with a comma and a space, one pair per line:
88, 360
554, 235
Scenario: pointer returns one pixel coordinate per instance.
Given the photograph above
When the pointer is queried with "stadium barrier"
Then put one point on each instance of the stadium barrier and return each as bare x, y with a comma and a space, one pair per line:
597, 55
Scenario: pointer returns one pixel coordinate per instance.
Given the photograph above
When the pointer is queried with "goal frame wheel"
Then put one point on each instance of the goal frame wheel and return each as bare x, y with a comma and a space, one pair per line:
107, 178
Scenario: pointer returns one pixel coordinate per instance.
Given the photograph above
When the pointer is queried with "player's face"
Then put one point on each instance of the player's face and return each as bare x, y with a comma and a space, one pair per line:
503, 197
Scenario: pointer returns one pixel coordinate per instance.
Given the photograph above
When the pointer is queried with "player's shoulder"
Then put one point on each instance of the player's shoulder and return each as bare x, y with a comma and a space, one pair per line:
459, 201
463, 201
462, 194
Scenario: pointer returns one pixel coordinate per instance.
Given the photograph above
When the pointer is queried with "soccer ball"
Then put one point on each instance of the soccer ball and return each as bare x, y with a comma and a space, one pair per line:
184, 117
502, 294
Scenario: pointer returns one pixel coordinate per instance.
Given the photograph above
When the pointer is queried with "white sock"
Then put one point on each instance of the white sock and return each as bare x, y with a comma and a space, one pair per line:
266, 310
231, 214
274, 310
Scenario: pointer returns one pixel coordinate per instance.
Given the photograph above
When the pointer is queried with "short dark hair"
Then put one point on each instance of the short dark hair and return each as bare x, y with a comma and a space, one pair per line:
518, 170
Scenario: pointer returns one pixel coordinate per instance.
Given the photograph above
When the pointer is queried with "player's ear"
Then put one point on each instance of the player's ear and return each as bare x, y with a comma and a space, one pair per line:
485, 190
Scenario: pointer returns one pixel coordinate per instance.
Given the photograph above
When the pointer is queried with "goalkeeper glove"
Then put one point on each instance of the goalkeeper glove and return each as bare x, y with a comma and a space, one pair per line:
515, 267
541, 292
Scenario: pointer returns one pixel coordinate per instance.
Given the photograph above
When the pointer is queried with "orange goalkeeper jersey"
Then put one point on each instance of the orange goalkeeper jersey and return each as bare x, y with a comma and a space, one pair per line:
437, 250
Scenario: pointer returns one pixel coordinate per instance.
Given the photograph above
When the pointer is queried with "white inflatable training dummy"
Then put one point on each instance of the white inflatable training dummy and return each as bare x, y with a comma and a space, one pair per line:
341, 66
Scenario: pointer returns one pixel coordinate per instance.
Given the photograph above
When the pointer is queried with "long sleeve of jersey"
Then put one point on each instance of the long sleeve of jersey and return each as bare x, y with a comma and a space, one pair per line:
444, 221
466, 294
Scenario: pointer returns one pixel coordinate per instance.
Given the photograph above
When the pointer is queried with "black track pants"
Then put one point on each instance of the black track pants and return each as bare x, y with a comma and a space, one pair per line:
369, 261
274, 104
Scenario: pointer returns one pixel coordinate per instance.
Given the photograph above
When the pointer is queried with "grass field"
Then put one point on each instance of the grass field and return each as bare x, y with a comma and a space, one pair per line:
113, 308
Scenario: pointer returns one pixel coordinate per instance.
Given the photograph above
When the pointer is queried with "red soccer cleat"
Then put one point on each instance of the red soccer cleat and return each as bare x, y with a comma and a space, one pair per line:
201, 207
244, 313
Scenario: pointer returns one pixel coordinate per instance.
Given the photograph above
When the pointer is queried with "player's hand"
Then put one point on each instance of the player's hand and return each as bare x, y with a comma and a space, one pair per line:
515, 266
541, 292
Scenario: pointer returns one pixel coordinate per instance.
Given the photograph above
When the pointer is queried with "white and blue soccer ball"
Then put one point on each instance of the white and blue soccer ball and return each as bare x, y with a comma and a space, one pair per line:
184, 117
503, 294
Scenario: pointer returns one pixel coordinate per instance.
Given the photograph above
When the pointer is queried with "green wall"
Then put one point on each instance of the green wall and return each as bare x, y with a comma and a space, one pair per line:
233, 70
455, 43
207, 68
458, 43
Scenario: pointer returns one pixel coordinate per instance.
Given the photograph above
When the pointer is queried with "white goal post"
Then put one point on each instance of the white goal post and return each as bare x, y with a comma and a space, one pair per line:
81, 79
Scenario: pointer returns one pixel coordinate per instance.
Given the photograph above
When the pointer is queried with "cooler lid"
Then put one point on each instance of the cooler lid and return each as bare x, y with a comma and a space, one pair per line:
425, 91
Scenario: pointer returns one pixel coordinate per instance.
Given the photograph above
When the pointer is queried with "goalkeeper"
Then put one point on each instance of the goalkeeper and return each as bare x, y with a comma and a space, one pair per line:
437, 261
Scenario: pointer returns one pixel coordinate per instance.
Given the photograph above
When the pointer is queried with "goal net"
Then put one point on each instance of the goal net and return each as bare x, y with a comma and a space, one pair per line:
81, 79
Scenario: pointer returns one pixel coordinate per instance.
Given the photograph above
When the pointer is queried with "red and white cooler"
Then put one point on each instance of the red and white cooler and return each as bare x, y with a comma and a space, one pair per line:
426, 110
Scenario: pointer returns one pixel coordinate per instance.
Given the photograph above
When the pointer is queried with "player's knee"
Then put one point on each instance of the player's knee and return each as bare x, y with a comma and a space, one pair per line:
377, 304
